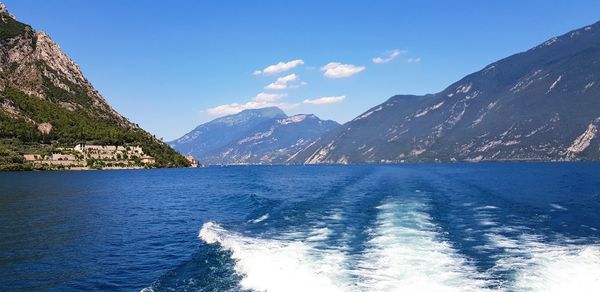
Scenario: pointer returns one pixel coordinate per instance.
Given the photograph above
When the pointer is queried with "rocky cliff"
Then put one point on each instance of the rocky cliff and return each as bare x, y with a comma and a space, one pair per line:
46, 101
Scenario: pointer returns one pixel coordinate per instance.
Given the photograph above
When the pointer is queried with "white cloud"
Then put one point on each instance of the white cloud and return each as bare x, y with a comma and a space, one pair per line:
339, 70
259, 101
262, 100
282, 82
280, 67
234, 108
387, 58
325, 100
268, 97
413, 60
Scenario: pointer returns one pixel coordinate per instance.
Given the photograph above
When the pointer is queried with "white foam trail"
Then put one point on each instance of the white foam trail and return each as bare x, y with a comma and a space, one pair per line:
280, 265
336, 215
558, 207
562, 269
488, 207
261, 218
533, 265
319, 234
538, 266
406, 254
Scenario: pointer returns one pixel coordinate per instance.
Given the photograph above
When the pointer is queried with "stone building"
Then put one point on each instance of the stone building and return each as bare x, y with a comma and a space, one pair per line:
81, 154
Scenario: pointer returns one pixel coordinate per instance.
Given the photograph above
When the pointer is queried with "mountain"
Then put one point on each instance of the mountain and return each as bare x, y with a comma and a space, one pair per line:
256, 136
216, 134
542, 104
47, 103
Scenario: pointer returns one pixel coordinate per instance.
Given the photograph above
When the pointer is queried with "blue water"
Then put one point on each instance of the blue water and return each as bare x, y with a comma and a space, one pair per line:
455, 227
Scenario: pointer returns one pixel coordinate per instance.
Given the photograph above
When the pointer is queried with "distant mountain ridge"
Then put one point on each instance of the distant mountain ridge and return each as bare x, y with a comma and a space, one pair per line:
542, 104
255, 136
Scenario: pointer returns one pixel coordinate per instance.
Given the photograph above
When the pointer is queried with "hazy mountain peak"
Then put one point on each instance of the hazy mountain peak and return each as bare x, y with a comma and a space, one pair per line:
272, 111
250, 115
254, 136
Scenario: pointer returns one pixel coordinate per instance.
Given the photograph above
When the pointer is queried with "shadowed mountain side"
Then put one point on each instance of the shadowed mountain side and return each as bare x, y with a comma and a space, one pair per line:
542, 104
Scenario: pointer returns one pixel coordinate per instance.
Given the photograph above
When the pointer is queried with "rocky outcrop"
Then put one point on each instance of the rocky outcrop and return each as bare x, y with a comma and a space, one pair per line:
29, 60
4, 12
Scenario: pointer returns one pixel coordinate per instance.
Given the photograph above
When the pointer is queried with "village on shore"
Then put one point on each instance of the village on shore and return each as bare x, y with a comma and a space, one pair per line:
83, 157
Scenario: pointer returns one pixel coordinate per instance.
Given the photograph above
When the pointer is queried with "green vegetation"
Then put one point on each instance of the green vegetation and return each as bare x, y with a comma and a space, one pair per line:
10, 159
19, 136
11, 28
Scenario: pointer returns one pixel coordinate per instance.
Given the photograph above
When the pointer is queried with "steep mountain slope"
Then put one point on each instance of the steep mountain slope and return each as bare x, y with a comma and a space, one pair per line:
258, 136
542, 104
46, 102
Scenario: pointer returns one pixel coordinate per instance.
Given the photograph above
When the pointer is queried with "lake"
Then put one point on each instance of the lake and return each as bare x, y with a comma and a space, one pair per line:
414, 227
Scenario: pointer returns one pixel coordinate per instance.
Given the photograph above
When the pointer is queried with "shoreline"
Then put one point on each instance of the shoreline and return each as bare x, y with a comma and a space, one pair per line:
33, 169
316, 164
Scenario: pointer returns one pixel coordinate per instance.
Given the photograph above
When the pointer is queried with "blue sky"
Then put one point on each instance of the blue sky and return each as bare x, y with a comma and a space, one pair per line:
171, 65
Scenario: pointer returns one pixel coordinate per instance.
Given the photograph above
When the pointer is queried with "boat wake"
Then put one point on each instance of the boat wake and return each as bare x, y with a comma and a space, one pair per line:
405, 252
538, 266
279, 265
